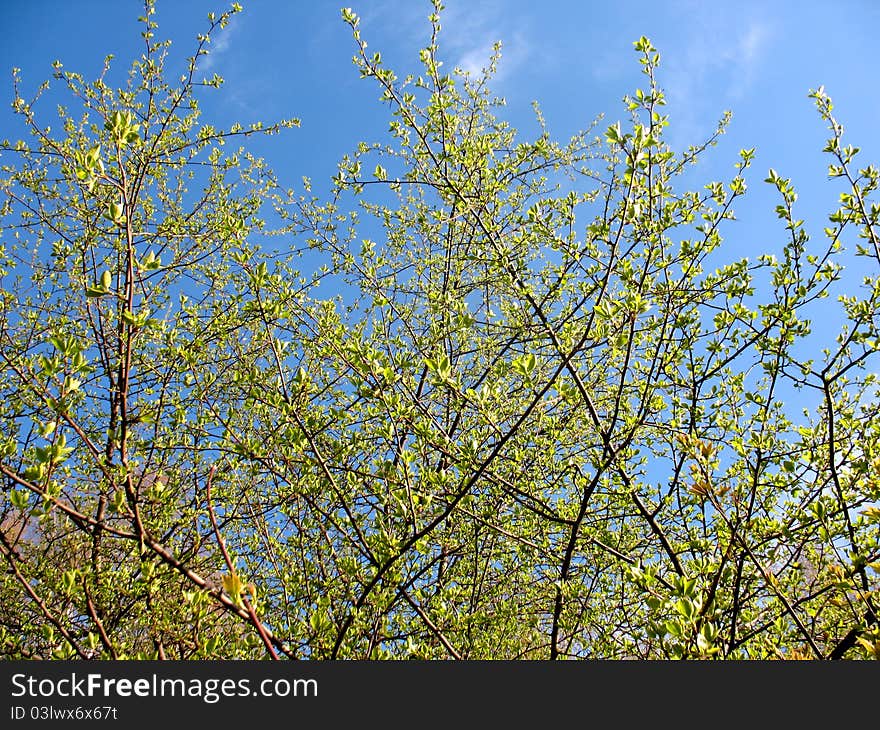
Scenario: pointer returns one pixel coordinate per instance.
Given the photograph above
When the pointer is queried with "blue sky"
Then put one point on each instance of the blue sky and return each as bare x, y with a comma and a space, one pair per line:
283, 59
293, 59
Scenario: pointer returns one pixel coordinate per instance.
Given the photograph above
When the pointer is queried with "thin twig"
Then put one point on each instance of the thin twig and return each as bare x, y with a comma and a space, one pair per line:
258, 625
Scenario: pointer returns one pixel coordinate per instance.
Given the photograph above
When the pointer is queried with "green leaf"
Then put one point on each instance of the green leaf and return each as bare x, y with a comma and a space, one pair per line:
233, 586
524, 365
46, 428
119, 501
212, 644
115, 214
19, 499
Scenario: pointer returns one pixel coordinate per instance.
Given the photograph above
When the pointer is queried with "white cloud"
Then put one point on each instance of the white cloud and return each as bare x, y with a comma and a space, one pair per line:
469, 32
514, 52
746, 56
220, 43
720, 53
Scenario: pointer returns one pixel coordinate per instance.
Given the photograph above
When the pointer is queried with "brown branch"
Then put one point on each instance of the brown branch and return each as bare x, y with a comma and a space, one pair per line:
252, 614
105, 639
44, 609
430, 624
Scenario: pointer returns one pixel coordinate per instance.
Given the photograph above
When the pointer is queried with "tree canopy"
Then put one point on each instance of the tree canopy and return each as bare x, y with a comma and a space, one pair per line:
491, 397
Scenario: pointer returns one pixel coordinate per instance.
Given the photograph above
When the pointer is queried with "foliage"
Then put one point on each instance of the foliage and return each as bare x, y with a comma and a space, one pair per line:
545, 414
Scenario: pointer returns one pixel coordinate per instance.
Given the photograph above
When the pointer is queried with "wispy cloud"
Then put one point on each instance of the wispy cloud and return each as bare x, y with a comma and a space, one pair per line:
724, 50
515, 52
470, 32
220, 43
745, 57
